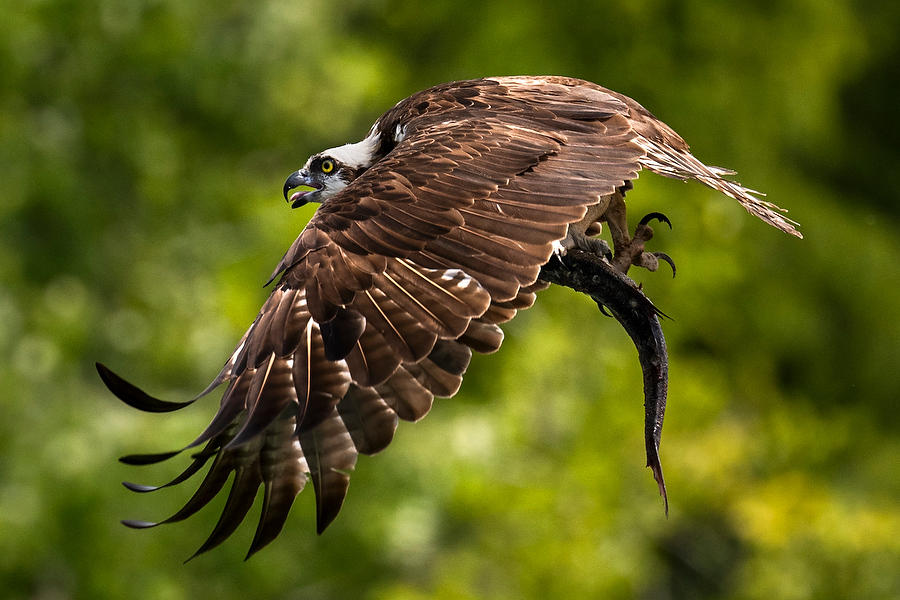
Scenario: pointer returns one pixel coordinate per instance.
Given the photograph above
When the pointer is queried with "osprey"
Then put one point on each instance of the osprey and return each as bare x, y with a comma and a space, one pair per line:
431, 232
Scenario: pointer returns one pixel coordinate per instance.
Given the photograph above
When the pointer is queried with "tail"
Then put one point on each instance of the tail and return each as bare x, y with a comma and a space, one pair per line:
664, 159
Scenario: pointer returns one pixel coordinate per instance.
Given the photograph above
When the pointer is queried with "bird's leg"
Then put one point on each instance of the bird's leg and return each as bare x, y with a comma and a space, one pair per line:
581, 235
594, 245
628, 250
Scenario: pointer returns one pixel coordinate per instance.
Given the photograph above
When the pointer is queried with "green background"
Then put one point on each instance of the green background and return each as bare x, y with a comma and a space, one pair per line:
143, 145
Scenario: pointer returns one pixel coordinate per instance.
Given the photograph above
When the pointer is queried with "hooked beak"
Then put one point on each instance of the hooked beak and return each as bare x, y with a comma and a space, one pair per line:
298, 179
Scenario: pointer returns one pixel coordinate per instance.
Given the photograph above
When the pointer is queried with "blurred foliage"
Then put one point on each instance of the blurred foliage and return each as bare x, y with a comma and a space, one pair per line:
143, 144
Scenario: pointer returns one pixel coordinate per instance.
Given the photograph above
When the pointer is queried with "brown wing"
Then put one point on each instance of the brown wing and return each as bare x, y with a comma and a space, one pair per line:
386, 291
396, 279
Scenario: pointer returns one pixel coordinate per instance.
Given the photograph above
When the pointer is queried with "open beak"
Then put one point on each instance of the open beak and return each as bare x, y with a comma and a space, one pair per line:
298, 179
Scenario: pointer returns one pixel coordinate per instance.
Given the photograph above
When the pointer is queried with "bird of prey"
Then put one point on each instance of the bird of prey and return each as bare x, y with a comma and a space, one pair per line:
430, 232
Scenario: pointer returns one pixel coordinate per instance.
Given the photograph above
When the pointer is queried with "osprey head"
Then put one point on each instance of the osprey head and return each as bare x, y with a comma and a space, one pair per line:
328, 172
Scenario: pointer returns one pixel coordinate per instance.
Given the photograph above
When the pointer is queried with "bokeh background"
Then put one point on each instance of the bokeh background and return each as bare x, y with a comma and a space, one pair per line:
143, 145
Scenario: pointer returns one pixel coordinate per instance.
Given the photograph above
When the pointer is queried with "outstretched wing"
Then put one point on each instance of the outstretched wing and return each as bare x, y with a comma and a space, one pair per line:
395, 280
384, 295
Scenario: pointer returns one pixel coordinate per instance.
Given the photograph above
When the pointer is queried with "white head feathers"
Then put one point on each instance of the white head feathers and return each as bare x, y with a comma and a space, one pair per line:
359, 155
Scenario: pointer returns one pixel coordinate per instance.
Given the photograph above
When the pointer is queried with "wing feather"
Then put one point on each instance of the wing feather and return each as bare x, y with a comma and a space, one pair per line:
369, 419
276, 392
372, 359
284, 472
408, 398
240, 498
319, 383
331, 455
400, 330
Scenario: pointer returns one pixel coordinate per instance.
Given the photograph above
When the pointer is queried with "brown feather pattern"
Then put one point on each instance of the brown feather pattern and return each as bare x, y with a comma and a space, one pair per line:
399, 276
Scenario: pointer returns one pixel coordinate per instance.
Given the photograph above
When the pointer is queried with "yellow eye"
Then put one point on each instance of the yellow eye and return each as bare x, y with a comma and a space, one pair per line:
327, 166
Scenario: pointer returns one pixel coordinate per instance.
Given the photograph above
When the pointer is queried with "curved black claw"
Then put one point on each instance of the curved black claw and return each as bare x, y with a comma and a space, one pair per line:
665, 257
658, 216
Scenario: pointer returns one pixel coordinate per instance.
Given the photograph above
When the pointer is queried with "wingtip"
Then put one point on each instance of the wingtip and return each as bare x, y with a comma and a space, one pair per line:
137, 487
147, 459
325, 517
132, 395
138, 524
256, 546
197, 553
